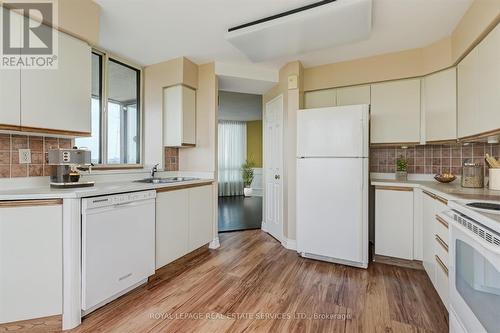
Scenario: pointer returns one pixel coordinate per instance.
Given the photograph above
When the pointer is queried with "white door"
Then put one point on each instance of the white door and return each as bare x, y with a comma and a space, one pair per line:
273, 168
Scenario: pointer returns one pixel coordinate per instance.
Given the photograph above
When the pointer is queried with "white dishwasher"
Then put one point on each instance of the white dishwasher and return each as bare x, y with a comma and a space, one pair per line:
118, 245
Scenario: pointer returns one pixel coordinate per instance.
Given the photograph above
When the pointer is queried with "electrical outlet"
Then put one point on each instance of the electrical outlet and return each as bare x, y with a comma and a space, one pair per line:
24, 156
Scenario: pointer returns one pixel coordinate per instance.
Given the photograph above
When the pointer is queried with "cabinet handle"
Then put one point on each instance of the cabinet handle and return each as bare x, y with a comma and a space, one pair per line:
442, 221
30, 203
442, 265
394, 188
442, 200
442, 243
430, 194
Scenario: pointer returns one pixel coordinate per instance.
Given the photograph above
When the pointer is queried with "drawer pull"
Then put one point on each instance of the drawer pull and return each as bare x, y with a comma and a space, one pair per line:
394, 188
442, 265
444, 201
430, 194
442, 243
442, 221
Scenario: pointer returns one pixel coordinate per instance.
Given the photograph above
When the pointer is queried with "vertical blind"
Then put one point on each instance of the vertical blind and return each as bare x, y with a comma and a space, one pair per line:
232, 154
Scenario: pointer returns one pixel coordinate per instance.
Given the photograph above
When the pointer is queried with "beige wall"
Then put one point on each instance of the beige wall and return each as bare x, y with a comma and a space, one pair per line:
479, 19
80, 18
203, 156
292, 101
157, 77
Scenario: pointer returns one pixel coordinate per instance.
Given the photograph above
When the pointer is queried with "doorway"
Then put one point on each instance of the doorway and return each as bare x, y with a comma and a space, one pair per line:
240, 155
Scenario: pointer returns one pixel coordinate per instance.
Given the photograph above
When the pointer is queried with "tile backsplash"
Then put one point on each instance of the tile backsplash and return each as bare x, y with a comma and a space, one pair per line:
171, 159
39, 145
432, 159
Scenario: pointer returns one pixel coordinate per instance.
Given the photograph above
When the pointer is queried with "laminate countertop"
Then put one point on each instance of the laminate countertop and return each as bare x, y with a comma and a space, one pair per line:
450, 191
102, 188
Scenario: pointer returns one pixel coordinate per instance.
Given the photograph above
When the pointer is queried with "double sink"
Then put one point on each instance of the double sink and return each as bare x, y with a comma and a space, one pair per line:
166, 180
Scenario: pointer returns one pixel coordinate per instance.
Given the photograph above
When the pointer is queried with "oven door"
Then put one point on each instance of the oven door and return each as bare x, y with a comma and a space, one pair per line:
474, 281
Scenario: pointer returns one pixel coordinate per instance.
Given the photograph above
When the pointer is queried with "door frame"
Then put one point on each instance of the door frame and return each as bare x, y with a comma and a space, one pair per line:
264, 167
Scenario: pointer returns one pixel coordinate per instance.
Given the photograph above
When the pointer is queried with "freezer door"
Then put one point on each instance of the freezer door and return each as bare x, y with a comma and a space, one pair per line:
333, 132
332, 208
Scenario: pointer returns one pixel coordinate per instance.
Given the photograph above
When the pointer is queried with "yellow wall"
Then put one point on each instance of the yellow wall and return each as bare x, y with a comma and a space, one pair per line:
254, 142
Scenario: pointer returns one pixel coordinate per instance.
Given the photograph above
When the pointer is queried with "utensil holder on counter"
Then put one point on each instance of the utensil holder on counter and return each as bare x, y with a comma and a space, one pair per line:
494, 179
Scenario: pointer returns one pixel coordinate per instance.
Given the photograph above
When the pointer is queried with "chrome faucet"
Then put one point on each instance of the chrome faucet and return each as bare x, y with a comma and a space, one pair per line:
154, 170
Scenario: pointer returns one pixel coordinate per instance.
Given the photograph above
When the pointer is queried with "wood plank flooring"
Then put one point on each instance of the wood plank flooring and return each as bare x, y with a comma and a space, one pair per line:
240, 213
253, 284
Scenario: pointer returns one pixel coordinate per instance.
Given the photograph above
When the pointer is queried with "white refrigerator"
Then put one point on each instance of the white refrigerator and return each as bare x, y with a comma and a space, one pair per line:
332, 184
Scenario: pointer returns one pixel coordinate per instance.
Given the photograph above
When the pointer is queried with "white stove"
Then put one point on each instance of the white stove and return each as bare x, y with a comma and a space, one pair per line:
474, 265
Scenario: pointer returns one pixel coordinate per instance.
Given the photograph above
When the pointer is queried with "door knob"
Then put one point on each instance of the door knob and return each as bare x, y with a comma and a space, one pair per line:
276, 176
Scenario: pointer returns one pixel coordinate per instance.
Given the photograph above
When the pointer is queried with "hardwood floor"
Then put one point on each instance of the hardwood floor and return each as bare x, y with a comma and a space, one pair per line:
240, 213
253, 284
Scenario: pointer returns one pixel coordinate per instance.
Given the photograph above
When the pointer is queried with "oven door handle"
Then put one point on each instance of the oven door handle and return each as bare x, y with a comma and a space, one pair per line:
484, 244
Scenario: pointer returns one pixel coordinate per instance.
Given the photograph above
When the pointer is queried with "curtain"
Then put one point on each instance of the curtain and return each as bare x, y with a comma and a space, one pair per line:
232, 154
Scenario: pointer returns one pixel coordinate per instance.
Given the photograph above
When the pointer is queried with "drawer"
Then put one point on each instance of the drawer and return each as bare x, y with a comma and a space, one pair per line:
442, 282
441, 250
442, 230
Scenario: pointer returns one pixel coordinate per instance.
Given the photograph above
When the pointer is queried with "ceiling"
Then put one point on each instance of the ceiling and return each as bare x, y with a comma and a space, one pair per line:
153, 31
238, 106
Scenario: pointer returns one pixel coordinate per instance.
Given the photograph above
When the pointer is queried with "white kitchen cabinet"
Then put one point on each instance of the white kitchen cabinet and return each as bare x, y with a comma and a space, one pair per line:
179, 116
439, 104
30, 260
428, 216
172, 218
59, 99
353, 95
478, 86
395, 112
320, 98
200, 216
184, 222
394, 222
10, 81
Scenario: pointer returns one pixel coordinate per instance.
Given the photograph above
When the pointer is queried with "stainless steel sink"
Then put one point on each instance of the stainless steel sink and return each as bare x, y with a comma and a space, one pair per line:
166, 180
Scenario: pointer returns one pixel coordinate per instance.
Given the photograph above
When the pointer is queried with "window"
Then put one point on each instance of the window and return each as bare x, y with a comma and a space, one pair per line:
116, 113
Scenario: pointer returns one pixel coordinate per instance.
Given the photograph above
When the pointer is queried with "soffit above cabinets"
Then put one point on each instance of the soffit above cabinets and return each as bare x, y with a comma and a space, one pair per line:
332, 23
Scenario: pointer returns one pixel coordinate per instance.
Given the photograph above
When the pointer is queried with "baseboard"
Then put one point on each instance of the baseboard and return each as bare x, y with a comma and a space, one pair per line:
214, 244
290, 244
263, 226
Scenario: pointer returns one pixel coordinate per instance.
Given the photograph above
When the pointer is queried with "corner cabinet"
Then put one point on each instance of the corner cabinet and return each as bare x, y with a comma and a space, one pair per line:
59, 99
478, 87
439, 105
184, 221
395, 112
30, 259
179, 116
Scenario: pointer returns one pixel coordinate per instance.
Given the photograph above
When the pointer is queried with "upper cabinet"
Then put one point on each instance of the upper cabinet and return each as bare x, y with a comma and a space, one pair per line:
395, 112
10, 81
59, 99
478, 87
439, 105
320, 98
179, 116
353, 95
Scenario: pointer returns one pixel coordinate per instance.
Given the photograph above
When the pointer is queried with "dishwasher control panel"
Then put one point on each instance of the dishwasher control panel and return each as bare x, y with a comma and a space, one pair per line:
118, 199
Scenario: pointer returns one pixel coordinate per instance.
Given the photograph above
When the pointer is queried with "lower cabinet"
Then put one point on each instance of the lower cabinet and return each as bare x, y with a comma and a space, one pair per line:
30, 259
394, 222
184, 222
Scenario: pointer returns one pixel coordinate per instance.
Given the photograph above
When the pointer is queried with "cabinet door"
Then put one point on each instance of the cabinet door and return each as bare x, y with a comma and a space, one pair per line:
468, 95
353, 95
171, 226
428, 238
439, 105
59, 99
394, 223
489, 84
10, 89
320, 98
30, 262
395, 112
201, 207
188, 116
